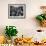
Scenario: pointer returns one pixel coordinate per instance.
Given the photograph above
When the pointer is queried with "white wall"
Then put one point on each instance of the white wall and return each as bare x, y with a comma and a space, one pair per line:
25, 26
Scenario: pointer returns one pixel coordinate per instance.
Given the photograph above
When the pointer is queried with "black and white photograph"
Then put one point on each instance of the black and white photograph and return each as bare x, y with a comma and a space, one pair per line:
16, 11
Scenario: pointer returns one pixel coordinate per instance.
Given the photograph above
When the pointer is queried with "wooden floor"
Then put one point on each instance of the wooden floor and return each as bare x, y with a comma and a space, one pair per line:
30, 45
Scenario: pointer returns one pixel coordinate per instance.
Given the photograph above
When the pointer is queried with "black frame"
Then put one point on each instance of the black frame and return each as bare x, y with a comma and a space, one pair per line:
15, 16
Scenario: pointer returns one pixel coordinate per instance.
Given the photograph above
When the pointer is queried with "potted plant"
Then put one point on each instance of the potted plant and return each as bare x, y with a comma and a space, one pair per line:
10, 31
42, 17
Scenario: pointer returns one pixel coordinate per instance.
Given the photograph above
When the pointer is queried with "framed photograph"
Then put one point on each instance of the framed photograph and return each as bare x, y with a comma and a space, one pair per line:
16, 11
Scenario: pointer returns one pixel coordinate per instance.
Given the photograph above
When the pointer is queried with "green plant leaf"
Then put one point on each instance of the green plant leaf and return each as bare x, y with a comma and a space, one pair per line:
10, 31
40, 18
